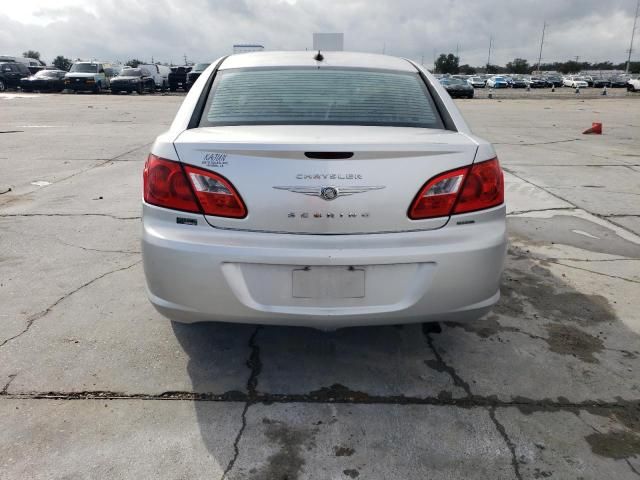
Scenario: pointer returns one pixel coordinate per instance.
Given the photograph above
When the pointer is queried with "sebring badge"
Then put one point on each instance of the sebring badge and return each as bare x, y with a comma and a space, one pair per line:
329, 193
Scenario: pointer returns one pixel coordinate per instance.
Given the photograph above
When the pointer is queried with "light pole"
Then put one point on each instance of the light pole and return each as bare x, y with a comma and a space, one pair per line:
633, 32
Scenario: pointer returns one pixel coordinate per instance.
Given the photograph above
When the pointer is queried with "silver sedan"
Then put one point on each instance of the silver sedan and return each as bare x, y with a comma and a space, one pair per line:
321, 189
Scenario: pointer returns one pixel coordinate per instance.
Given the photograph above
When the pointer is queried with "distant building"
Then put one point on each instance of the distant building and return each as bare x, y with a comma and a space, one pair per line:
247, 47
328, 42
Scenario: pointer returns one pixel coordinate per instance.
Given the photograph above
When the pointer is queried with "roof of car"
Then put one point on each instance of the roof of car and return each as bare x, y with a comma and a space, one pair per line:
306, 59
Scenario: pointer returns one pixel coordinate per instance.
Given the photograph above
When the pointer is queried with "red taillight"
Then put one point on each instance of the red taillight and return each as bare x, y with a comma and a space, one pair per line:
460, 191
216, 194
483, 188
167, 184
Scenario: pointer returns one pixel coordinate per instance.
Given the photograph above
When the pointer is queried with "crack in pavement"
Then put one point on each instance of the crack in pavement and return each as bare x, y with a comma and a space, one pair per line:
5, 389
87, 249
569, 140
115, 217
633, 469
100, 163
427, 330
520, 212
33, 318
575, 207
255, 365
338, 394
594, 272
510, 445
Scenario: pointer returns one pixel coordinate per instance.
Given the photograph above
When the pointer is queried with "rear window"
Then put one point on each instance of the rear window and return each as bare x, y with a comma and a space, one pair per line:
326, 96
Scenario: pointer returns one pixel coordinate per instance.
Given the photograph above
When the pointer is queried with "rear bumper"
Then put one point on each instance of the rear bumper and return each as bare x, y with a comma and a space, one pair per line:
200, 273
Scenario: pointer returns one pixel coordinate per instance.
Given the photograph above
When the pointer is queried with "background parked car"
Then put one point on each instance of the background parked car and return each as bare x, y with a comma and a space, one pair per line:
178, 78
33, 64
88, 76
601, 82
618, 82
633, 85
553, 81
497, 82
44, 81
518, 83
457, 88
476, 82
11, 73
160, 75
133, 80
574, 81
537, 82
194, 74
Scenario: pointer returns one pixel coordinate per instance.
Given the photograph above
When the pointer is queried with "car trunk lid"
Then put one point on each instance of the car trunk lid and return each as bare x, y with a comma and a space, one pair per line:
326, 179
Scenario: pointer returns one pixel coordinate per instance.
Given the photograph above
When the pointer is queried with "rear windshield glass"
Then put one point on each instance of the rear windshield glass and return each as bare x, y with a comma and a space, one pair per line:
326, 96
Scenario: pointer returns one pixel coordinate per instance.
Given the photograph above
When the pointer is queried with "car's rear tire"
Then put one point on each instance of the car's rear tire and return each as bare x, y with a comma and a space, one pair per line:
3, 87
140, 89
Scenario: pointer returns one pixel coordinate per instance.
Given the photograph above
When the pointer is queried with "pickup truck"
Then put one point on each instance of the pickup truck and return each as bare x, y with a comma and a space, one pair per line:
178, 78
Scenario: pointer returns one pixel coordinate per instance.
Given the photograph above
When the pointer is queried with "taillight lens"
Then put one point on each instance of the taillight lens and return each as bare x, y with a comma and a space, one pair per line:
460, 191
167, 184
216, 194
483, 188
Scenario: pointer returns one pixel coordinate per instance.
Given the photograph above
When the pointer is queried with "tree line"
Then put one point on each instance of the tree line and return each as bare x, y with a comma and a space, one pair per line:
450, 63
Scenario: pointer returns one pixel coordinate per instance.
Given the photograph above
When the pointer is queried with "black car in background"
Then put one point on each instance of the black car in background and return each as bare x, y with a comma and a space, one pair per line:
456, 87
11, 73
553, 80
618, 82
178, 78
537, 82
194, 74
518, 83
133, 80
600, 82
44, 81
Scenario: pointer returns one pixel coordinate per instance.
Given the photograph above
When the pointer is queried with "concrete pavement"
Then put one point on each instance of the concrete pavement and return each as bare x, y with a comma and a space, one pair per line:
95, 384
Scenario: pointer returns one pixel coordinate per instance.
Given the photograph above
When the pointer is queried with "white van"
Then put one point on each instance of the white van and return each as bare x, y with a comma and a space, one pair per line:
160, 74
88, 76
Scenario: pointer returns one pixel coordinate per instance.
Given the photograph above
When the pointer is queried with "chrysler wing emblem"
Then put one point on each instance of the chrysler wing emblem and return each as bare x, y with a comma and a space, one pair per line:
329, 193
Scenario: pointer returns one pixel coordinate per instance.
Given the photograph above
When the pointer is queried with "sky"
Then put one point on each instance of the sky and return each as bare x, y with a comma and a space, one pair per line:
203, 30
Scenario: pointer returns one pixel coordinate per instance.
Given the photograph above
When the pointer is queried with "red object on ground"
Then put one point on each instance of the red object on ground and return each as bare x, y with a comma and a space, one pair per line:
596, 127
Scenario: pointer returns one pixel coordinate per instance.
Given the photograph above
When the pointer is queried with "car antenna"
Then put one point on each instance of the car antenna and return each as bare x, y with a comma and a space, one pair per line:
319, 57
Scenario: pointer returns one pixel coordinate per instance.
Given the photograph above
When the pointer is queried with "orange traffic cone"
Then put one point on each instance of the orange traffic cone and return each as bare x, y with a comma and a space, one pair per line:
596, 128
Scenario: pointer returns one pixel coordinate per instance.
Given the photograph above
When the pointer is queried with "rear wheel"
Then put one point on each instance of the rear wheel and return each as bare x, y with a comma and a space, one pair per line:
3, 87
140, 89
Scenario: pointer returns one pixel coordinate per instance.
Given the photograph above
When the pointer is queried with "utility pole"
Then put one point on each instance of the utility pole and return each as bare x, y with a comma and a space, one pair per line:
633, 32
489, 57
185, 58
544, 27
458, 50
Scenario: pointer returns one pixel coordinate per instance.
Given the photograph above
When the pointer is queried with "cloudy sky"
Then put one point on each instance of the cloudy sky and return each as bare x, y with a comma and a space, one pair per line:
594, 30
